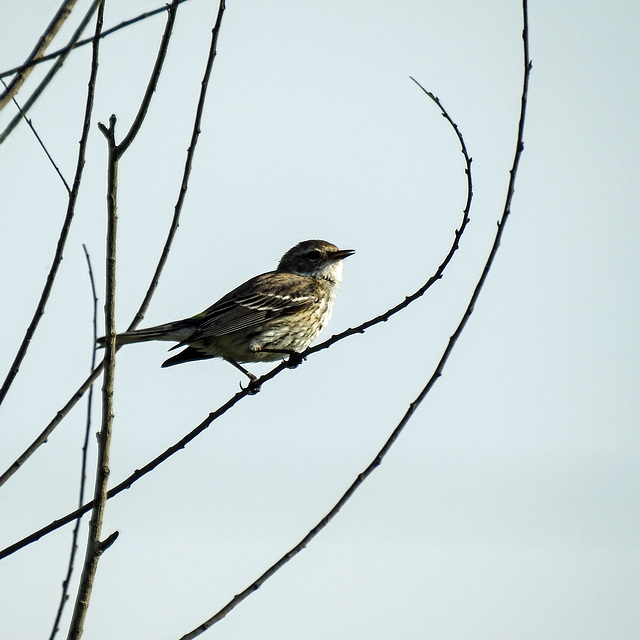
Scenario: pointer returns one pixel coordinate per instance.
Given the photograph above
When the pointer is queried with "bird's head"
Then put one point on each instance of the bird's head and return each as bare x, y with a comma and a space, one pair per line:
315, 259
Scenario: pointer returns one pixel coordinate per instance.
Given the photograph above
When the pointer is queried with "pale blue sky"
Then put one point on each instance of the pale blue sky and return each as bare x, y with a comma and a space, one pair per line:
509, 508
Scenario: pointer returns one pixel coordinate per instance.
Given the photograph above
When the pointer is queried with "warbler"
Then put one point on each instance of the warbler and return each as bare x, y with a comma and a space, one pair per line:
271, 316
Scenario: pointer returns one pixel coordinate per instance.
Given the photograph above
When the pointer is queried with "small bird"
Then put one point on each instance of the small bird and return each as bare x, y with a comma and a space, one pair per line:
271, 316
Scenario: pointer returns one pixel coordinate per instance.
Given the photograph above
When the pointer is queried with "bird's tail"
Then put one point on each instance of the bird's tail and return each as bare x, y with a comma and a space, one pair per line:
173, 331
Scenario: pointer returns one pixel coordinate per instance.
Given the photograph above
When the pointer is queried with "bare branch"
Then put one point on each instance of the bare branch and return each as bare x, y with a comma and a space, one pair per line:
187, 170
153, 80
375, 463
39, 139
130, 480
443, 265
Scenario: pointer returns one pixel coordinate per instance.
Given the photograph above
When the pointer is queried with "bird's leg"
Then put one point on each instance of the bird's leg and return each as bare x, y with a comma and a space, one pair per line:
253, 386
295, 358
241, 368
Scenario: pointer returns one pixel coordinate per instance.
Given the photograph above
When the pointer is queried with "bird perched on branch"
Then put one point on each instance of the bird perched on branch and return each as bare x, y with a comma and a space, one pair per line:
274, 315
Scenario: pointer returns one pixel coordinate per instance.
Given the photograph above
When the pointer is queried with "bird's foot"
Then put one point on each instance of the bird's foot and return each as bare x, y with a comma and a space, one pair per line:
294, 359
254, 385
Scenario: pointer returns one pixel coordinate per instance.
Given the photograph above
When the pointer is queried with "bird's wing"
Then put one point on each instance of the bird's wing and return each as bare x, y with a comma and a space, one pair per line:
254, 302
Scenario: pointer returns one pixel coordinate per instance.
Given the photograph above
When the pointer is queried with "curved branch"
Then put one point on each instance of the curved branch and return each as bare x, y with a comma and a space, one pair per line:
436, 374
40, 142
153, 80
127, 482
383, 317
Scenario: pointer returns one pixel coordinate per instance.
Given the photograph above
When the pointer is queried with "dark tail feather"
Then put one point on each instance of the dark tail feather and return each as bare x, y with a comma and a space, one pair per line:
188, 355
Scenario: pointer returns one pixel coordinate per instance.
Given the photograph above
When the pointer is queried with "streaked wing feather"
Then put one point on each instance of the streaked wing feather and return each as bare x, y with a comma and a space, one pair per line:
249, 311
236, 311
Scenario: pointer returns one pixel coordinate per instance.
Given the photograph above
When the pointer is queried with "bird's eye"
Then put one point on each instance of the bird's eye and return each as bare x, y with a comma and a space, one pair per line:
313, 255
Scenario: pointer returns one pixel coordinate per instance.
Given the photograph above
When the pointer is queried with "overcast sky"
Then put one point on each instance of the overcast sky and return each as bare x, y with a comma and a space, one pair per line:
510, 506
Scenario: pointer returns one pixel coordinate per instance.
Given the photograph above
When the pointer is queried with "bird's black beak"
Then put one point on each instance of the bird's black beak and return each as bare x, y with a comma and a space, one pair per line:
341, 254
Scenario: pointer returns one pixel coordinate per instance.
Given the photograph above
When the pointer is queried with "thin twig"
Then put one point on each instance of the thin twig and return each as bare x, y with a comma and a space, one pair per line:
57, 259
95, 545
39, 139
41, 46
153, 81
85, 450
375, 463
81, 43
183, 442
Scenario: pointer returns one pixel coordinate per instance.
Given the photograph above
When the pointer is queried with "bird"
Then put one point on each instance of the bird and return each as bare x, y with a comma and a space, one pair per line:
271, 316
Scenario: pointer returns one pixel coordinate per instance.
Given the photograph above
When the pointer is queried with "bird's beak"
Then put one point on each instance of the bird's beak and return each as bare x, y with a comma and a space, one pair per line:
341, 254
